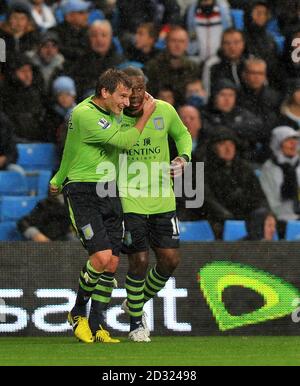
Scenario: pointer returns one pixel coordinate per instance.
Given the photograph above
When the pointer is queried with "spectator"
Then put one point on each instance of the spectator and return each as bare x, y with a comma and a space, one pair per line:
100, 56
8, 149
263, 226
191, 117
195, 94
143, 48
257, 97
58, 113
206, 20
172, 66
288, 12
223, 110
133, 13
290, 109
259, 42
73, 31
280, 176
42, 14
48, 58
21, 98
229, 63
232, 190
19, 31
49, 221
167, 94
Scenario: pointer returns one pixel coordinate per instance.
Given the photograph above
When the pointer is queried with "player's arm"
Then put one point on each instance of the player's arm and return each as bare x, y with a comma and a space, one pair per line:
111, 134
183, 141
59, 178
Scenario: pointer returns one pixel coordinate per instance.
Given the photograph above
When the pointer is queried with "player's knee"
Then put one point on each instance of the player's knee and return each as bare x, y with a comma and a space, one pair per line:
168, 263
113, 264
138, 264
100, 260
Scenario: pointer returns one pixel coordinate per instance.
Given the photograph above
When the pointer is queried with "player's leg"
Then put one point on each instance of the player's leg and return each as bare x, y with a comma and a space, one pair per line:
157, 277
88, 221
112, 221
137, 249
164, 239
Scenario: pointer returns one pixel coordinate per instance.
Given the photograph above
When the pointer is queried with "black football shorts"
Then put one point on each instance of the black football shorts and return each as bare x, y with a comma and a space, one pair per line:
157, 231
98, 221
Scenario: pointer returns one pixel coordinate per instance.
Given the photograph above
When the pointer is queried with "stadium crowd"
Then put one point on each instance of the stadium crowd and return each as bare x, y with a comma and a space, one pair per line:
230, 68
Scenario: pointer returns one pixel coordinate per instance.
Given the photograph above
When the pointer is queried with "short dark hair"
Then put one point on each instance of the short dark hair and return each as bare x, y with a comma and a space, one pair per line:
151, 29
110, 79
133, 71
233, 30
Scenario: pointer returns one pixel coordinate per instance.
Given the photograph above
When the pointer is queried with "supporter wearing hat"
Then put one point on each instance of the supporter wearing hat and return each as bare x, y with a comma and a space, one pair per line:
48, 57
73, 31
223, 110
21, 98
232, 190
280, 176
19, 31
58, 112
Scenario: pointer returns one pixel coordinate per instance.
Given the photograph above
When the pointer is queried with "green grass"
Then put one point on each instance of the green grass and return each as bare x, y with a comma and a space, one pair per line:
162, 351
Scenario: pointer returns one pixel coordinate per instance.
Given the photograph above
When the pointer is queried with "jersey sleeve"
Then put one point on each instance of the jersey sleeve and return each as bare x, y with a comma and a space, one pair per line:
106, 131
180, 134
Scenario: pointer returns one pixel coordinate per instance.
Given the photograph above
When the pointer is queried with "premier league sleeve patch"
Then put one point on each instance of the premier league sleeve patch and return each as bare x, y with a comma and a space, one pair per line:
159, 123
104, 123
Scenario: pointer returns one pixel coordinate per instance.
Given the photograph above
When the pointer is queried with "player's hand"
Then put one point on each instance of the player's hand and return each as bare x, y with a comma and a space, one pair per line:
149, 105
54, 190
41, 238
177, 166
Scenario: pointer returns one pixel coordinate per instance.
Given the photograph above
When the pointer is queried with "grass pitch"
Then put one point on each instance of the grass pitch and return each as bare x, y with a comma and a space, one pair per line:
162, 351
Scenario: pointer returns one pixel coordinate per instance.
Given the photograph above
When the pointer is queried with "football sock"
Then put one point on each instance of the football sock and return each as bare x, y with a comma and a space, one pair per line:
135, 299
87, 282
100, 299
155, 281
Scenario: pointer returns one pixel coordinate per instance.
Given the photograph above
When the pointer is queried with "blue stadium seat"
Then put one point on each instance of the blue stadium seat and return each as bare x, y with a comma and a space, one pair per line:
38, 182
37, 156
12, 208
234, 230
196, 231
9, 232
238, 18
293, 231
12, 183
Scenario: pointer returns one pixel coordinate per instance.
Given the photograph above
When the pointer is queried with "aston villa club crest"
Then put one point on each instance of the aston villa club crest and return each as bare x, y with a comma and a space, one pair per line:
159, 123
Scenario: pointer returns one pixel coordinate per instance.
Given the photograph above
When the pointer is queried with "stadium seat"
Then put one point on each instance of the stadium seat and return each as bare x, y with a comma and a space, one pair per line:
9, 232
37, 156
238, 18
12, 208
196, 231
234, 230
293, 231
38, 182
12, 183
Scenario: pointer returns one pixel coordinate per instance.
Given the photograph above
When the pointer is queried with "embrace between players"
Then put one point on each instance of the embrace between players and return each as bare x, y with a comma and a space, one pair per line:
99, 133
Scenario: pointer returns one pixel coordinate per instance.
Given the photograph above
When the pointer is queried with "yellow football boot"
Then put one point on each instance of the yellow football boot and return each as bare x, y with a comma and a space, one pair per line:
81, 328
102, 336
